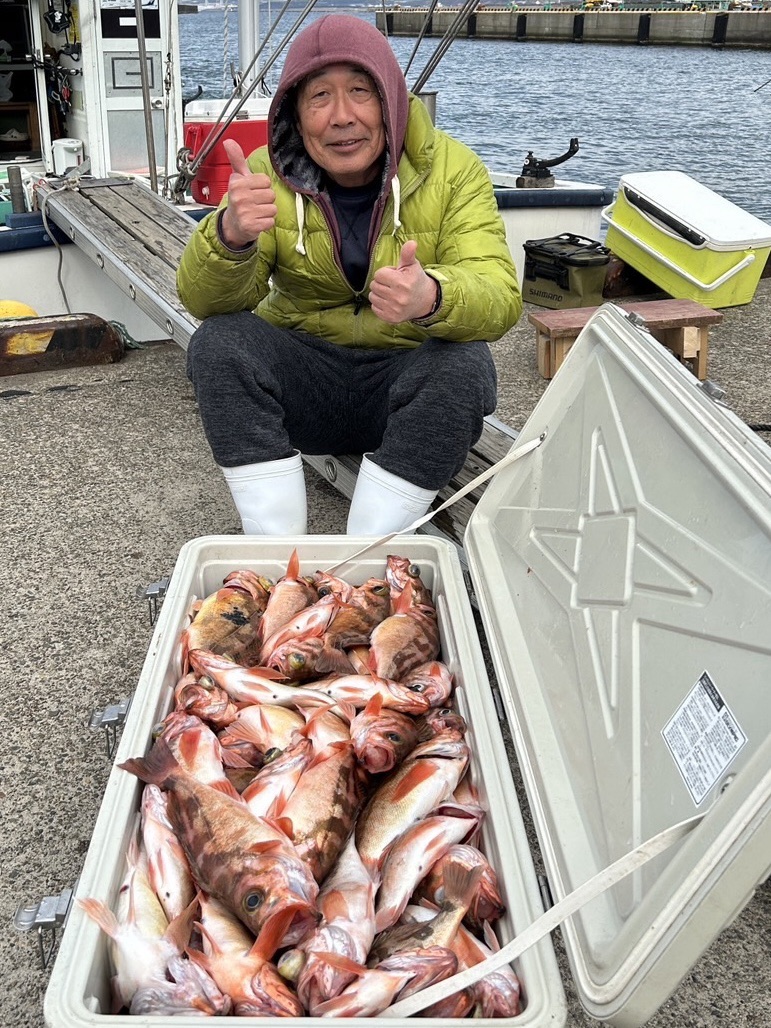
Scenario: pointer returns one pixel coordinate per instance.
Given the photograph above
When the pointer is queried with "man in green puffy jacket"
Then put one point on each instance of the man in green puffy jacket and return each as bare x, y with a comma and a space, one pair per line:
349, 284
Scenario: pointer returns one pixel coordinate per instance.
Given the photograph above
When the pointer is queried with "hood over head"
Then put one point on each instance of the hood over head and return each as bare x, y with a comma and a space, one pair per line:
335, 39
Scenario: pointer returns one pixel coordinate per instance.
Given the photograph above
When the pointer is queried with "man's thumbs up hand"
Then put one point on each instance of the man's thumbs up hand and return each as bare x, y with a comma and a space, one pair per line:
405, 292
251, 201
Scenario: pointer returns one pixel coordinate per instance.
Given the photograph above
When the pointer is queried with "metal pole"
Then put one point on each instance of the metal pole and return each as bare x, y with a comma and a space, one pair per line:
147, 109
248, 37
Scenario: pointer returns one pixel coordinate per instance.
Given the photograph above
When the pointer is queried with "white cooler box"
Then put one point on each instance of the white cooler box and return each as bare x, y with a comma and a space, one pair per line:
623, 572
689, 240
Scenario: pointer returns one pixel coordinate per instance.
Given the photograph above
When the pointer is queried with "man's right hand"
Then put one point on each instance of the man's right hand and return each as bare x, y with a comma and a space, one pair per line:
251, 201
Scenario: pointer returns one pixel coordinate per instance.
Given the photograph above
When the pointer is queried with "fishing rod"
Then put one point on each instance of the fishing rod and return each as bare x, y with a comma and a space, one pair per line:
220, 127
421, 34
445, 42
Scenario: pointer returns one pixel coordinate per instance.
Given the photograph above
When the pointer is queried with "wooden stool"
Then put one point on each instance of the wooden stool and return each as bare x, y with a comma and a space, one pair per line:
681, 325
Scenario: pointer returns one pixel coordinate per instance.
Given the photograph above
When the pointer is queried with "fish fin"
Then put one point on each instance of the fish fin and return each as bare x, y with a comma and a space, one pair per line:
374, 705
273, 931
267, 846
332, 660
181, 927
281, 824
232, 759
336, 906
421, 771
101, 913
156, 767
490, 938
293, 567
226, 787
267, 672
345, 711
201, 959
341, 962
460, 883
404, 602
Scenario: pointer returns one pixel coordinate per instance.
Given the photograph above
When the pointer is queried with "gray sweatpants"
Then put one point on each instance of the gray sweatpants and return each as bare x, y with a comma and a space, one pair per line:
264, 391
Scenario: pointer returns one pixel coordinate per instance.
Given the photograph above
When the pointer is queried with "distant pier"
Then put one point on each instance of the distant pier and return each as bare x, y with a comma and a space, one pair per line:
713, 28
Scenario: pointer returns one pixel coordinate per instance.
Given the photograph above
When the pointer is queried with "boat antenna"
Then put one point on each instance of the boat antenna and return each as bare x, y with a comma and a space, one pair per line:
463, 15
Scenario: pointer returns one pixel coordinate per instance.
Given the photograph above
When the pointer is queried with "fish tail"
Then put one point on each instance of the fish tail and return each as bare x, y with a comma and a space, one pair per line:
156, 768
460, 884
101, 913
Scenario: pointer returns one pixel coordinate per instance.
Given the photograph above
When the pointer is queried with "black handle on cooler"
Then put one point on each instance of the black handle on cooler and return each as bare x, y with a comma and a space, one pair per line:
689, 234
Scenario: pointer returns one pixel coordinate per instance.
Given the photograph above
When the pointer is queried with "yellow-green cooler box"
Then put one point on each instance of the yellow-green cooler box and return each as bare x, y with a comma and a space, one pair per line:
689, 240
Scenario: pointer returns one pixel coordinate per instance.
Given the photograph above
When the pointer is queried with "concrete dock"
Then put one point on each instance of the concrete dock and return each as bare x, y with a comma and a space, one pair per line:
106, 474
542, 24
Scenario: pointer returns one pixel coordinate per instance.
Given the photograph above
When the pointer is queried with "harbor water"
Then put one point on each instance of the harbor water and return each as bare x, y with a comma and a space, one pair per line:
633, 108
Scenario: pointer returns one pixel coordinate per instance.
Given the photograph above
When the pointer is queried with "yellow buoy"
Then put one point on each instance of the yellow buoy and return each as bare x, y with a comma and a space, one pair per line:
23, 344
16, 309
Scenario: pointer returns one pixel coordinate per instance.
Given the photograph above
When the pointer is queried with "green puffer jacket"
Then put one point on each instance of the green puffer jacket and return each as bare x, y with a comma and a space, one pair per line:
444, 199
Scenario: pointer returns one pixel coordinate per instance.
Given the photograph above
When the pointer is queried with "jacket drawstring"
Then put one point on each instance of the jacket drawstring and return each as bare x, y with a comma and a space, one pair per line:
396, 189
300, 208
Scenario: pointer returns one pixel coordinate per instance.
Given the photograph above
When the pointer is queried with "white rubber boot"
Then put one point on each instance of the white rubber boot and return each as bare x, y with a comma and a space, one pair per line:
383, 503
270, 497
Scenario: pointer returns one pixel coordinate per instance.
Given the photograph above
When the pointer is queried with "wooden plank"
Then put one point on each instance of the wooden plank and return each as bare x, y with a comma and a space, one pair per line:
152, 273
656, 313
178, 224
141, 226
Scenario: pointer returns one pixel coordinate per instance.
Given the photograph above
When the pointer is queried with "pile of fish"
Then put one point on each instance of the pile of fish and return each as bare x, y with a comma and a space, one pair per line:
306, 844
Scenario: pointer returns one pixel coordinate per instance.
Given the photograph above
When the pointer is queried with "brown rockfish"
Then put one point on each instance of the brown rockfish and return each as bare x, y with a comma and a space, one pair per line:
245, 862
405, 640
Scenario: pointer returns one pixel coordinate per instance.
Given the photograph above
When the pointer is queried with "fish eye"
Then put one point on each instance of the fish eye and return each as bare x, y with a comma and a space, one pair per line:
414, 570
206, 683
253, 901
271, 754
296, 661
157, 730
417, 687
393, 736
325, 590
382, 590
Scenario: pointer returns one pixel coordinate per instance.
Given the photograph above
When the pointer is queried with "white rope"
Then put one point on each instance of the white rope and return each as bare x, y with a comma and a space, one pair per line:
547, 922
504, 462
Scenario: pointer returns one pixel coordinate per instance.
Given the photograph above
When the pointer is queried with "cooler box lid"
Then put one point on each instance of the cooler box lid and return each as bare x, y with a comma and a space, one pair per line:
211, 110
688, 208
569, 248
623, 572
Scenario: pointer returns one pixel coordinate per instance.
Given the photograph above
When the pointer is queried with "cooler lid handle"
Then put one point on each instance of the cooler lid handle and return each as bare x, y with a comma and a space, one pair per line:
675, 226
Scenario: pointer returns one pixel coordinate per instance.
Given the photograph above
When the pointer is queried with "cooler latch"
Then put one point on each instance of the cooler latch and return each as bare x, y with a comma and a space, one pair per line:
154, 594
45, 916
536, 172
111, 719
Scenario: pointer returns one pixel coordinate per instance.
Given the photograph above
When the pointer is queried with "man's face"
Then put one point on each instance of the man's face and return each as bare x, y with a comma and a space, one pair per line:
341, 123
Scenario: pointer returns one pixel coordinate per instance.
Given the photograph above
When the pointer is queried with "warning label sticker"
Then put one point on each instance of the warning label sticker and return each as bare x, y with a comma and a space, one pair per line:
703, 737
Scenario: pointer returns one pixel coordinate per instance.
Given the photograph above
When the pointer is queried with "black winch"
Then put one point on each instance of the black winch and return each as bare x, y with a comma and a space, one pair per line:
536, 173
